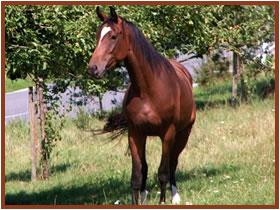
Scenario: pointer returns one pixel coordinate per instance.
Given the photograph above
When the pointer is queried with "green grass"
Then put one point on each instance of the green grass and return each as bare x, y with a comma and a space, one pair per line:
212, 95
13, 85
219, 93
229, 160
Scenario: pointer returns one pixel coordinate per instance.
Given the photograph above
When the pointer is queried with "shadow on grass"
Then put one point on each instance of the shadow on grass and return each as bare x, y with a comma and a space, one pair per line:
205, 172
106, 190
203, 104
25, 176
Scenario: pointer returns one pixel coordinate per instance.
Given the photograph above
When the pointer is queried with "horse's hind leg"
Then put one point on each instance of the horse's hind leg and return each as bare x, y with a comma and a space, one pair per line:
181, 140
139, 166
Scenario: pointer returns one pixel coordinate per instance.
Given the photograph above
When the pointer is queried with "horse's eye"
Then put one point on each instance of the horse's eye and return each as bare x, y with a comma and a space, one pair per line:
114, 37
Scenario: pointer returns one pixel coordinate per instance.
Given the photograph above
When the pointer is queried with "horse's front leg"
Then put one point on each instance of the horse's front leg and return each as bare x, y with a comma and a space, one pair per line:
137, 143
164, 168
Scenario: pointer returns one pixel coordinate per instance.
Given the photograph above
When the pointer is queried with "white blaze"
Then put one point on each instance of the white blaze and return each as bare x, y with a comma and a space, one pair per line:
104, 31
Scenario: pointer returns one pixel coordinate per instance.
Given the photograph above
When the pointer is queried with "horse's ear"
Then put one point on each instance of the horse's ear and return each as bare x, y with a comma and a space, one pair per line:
113, 14
100, 15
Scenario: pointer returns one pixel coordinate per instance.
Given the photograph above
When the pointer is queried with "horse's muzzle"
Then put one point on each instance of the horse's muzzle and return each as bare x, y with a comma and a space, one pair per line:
92, 70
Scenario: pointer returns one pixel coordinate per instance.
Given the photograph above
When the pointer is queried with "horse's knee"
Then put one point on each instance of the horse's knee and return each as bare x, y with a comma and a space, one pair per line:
164, 172
164, 177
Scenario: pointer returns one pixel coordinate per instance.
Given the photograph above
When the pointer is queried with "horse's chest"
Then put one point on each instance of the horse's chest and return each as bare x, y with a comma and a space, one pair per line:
142, 113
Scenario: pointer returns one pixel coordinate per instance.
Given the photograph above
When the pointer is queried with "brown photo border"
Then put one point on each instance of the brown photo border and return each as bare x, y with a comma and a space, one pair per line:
275, 4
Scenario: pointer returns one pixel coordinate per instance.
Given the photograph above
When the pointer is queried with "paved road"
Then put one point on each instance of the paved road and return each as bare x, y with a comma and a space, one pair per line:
16, 103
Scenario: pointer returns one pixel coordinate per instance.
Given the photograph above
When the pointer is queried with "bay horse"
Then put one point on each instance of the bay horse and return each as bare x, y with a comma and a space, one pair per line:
158, 102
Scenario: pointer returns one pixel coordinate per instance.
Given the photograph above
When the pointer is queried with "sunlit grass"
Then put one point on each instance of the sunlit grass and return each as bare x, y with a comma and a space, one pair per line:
229, 160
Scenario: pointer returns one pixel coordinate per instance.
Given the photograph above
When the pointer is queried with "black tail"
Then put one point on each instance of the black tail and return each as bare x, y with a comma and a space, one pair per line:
116, 124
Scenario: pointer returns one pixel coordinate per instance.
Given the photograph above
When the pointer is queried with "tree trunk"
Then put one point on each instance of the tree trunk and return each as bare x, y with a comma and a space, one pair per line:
235, 78
243, 87
209, 58
42, 116
34, 135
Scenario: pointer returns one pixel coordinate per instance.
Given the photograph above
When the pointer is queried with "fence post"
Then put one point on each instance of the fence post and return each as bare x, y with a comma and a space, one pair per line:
42, 114
34, 136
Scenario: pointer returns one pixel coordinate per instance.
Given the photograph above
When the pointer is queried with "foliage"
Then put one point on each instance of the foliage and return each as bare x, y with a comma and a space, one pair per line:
57, 41
259, 81
239, 27
50, 42
82, 120
54, 124
215, 68
39, 42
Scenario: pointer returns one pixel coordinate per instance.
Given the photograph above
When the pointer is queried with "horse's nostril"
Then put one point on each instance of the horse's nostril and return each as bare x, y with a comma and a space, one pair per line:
92, 69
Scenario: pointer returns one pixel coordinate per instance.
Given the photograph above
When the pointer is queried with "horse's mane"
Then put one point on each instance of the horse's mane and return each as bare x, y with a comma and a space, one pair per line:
145, 50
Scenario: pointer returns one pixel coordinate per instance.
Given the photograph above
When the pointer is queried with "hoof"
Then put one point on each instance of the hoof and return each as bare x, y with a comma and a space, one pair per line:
175, 195
176, 199
144, 196
117, 202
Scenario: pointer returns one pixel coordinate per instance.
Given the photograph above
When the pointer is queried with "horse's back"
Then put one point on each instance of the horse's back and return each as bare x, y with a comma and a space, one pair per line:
181, 71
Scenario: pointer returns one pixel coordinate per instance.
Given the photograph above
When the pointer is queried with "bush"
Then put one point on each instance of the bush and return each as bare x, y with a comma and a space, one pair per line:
82, 121
258, 79
215, 69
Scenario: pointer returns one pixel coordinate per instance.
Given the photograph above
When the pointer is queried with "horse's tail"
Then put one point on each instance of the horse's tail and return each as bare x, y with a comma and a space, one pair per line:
115, 121
116, 124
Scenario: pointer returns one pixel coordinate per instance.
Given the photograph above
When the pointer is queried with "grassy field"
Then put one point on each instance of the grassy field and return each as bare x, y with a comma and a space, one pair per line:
17, 84
229, 160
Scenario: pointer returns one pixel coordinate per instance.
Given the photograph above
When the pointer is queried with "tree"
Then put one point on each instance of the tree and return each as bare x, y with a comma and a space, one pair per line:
51, 43
41, 45
59, 40
238, 29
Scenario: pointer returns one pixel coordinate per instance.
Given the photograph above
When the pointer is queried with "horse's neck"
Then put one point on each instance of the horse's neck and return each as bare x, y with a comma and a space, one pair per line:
141, 71
140, 74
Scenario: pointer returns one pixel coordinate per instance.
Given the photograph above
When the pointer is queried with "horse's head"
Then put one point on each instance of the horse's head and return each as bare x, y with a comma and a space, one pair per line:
112, 45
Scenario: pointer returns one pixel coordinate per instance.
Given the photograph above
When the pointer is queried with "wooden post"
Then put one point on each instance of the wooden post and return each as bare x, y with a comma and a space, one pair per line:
37, 118
235, 78
42, 114
34, 135
100, 104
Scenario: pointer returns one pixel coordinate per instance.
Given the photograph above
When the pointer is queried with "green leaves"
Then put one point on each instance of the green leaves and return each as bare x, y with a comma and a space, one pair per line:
59, 40
43, 40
